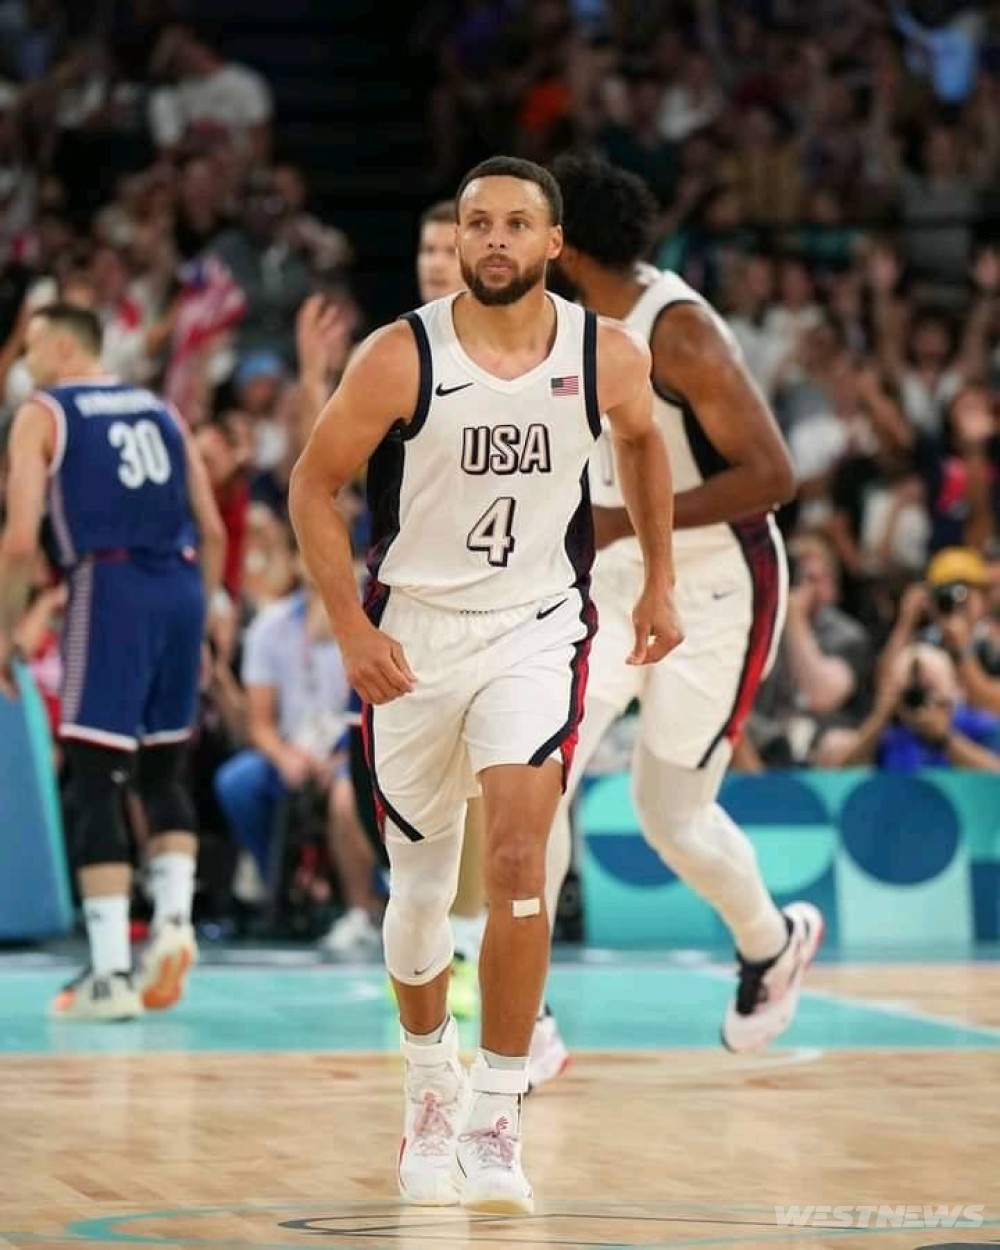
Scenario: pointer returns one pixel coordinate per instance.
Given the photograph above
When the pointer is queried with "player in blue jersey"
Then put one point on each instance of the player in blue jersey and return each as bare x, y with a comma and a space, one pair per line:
128, 503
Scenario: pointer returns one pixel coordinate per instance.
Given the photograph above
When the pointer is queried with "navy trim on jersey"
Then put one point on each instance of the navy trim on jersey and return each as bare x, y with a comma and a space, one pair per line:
383, 807
669, 396
383, 485
410, 429
761, 558
590, 373
565, 737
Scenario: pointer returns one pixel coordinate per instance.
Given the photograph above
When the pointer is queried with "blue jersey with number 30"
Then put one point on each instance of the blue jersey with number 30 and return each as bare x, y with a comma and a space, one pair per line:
119, 475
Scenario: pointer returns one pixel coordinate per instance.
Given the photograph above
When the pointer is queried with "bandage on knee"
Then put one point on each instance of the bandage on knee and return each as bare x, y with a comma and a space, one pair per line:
521, 908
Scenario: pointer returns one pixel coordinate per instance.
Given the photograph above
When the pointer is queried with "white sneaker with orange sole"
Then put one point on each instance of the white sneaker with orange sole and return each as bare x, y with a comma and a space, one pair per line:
171, 954
108, 997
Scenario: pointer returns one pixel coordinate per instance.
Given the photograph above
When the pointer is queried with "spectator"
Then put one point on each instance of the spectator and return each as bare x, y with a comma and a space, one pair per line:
225, 443
820, 677
201, 214
274, 278
296, 698
207, 95
961, 472
920, 720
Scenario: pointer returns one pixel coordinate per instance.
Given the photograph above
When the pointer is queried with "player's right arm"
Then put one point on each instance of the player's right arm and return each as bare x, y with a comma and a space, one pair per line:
380, 385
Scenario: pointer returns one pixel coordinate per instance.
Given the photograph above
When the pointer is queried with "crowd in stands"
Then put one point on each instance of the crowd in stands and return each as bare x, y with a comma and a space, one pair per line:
829, 176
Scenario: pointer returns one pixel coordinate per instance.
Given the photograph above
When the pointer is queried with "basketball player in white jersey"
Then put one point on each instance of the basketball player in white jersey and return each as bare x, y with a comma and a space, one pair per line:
730, 469
477, 415
439, 274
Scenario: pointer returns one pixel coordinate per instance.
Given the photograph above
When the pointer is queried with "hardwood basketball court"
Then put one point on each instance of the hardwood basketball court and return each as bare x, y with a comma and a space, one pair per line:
265, 1112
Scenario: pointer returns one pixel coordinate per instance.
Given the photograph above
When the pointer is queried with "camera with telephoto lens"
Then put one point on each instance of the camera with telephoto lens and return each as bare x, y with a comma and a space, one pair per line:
950, 598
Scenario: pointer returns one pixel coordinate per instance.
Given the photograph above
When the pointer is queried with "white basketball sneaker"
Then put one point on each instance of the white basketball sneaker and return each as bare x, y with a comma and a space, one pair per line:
768, 993
548, 1056
91, 997
488, 1170
171, 954
437, 1100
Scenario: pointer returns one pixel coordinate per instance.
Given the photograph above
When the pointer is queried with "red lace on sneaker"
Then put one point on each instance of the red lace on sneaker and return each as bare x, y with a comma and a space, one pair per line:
494, 1147
433, 1133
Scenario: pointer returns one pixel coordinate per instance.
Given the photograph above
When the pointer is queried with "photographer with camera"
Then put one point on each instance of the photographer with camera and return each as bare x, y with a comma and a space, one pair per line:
952, 609
920, 720
820, 678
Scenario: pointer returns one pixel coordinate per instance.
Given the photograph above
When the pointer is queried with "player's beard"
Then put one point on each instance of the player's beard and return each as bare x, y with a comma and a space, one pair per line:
517, 285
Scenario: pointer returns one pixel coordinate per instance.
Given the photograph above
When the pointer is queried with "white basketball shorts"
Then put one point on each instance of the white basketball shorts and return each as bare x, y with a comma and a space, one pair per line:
732, 606
502, 687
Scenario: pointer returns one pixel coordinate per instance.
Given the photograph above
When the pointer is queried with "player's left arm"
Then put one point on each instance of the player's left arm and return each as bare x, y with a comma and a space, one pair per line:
625, 395
694, 361
29, 452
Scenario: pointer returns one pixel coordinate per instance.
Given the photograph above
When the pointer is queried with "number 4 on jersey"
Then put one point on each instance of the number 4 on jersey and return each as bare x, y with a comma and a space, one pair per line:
493, 532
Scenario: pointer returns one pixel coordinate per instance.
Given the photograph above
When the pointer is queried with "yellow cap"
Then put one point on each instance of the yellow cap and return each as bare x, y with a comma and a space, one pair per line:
957, 564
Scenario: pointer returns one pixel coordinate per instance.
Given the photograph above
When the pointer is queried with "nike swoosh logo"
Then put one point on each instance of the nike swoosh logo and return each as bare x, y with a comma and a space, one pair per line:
540, 616
450, 390
722, 594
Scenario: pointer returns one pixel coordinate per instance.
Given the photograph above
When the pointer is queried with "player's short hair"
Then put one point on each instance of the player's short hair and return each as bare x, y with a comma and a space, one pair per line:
82, 323
516, 167
609, 213
444, 211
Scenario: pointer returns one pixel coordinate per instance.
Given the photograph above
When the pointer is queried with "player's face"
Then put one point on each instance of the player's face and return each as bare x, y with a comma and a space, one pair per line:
42, 351
438, 270
505, 238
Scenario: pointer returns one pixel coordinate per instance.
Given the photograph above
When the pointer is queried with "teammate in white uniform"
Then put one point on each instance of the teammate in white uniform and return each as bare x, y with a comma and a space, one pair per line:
730, 469
477, 415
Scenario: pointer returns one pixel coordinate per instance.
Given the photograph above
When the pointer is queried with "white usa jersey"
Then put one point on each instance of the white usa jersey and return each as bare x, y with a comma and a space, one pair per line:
693, 458
480, 501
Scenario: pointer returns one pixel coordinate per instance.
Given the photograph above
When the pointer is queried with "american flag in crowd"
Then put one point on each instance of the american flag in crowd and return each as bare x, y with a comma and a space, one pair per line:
569, 385
211, 302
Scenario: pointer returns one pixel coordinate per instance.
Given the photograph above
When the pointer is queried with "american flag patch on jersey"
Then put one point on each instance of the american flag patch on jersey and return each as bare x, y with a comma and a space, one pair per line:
566, 386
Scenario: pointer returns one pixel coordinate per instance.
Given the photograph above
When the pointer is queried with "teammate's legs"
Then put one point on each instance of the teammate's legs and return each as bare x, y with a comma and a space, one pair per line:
695, 837
168, 718
694, 706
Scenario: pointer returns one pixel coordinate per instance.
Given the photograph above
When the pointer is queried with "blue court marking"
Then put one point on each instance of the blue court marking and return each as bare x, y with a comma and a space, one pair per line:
442, 1230
620, 1006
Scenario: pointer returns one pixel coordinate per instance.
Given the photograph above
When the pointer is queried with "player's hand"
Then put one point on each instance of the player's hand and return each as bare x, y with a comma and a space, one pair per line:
376, 666
657, 625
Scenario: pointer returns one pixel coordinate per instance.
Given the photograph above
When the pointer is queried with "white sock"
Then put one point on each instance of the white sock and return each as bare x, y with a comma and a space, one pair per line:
428, 1039
468, 931
108, 933
171, 882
